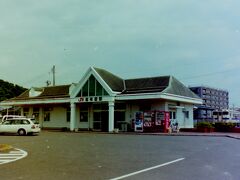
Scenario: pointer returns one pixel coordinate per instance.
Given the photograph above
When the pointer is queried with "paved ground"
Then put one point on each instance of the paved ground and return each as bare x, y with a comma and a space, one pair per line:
63, 155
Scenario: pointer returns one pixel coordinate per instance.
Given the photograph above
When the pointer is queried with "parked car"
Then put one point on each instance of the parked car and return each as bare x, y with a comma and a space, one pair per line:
5, 117
22, 126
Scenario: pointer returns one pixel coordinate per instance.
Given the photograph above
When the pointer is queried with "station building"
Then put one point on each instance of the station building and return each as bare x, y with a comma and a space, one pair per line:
102, 101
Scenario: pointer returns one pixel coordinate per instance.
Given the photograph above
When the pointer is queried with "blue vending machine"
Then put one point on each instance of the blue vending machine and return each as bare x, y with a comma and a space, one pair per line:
138, 126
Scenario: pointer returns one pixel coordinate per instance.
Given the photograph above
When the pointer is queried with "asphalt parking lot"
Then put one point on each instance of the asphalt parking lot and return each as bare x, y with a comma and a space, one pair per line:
64, 155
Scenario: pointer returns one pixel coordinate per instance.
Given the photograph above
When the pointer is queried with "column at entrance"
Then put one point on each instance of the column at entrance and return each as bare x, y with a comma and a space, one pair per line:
73, 116
111, 116
22, 113
41, 116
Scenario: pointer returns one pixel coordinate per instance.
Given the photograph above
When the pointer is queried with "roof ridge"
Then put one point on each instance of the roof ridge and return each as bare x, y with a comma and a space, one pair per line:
148, 77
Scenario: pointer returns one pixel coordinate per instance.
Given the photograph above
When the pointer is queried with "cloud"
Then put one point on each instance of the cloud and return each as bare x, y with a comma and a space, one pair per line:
130, 38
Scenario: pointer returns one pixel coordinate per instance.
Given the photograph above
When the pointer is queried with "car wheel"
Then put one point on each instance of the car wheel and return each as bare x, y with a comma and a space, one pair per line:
21, 132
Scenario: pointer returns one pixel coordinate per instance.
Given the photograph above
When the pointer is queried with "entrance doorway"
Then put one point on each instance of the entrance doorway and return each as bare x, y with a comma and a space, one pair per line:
172, 114
100, 121
119, 120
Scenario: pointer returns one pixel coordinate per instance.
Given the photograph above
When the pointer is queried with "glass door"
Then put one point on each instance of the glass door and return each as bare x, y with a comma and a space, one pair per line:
172, 114
97, 121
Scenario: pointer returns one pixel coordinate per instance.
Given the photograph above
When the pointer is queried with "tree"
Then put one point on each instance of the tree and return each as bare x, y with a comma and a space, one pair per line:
9, 90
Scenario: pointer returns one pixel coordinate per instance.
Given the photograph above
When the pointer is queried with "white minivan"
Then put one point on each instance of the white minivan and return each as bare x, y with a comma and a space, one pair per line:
22, 126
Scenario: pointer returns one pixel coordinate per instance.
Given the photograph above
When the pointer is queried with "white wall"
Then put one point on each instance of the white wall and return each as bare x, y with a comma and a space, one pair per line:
188, 122
58, 115
183, 121
58, 118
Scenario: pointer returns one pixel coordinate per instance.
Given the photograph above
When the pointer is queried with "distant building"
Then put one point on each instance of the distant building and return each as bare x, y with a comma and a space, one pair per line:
214, 100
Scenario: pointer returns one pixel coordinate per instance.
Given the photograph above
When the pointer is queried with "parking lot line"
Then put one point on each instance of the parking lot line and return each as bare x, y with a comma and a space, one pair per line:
15, 152
148, 169
12, 156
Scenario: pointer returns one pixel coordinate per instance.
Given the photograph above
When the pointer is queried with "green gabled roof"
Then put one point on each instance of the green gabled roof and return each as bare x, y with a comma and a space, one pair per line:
114, 82
164, 84
47, 92
177, 88
146, 85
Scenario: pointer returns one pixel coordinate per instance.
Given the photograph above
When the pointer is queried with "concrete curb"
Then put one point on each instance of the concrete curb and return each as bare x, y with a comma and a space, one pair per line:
234, 136
237, 136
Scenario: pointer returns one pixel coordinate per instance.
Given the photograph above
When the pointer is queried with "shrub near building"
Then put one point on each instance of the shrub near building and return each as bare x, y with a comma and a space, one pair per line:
205, 127
217, 126
224, 127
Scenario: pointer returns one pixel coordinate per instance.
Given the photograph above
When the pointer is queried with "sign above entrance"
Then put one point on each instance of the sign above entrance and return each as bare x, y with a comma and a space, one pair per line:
90, 99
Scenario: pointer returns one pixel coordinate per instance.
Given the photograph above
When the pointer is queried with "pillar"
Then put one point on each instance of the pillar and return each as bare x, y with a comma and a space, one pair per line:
73, 117
22, 113
110, 116
41, 116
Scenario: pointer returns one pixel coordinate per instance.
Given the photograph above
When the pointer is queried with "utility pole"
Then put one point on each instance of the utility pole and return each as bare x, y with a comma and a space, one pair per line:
53, 71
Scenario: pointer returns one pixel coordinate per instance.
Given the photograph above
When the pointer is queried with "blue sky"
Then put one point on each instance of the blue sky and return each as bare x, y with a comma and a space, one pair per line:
196, 41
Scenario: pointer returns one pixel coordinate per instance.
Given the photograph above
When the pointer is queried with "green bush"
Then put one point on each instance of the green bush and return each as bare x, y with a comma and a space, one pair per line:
224, 127
204, 125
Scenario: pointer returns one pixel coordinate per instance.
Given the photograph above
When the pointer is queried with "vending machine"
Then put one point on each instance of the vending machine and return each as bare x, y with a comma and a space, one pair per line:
166, 121
147, 121
159, 118
152, 121
162, 121
138, 125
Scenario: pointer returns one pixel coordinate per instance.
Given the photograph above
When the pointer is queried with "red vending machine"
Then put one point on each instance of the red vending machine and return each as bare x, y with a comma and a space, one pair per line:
162, 121
166, 121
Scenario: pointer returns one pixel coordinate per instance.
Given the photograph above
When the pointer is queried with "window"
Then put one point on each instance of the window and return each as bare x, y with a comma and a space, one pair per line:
92, 88
25, 122
36, 113
85, 89
186, 114
172, 115
47, 114
119, 120
25, 112
84, 113
99, 89
68, 114
83, 116
7, 122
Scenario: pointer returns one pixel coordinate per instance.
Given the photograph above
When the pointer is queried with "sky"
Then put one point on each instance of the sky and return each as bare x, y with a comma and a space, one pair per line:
198, 42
